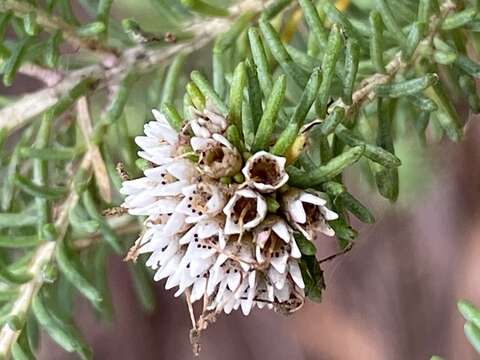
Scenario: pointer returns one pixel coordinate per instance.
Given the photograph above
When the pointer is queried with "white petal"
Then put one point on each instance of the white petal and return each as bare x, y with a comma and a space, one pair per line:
312, 199
199, 143
295, 251
281, 229
296, 274
198, 130
199, 288
278, 279
231, 228
297, 212
328, 214
233, 280
279, 263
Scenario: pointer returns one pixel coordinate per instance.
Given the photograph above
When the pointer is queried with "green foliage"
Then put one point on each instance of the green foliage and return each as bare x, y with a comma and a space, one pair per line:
298, 89
472, 326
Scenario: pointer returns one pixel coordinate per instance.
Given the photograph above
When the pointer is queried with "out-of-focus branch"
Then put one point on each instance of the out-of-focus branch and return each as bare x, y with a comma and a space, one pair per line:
48, 76
99, 168
42, 256
366, 90
52, 23
138, 59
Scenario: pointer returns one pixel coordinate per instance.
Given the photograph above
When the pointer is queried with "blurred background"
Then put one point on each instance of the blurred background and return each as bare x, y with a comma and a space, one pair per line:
392, 297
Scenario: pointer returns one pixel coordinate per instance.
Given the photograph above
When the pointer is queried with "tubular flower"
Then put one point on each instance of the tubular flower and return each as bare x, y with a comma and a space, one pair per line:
245, 210
218, 158
309, 213
218, 240
265, 172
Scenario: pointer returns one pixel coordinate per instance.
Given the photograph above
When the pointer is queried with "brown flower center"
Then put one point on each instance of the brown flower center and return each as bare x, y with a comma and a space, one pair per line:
274, 247
265, 171
245, 210
313, 213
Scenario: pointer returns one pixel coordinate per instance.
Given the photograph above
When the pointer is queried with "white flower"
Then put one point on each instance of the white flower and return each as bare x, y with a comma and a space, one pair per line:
206, 123
245, 210
201, 200
276, 248
156, 193
265, 172
161, 141
218, 157
308, 213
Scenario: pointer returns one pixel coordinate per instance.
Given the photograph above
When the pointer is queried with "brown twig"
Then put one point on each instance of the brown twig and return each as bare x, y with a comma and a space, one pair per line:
99, 167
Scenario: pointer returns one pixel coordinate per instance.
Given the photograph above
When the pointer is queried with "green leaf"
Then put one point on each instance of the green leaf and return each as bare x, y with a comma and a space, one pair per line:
424, 11
472, 333
374, 153
288, 136
24, 218
414, 37
280, 54
331, 122
269, 117
171, 79
236, 96
204, 8
325, 172
143, 286
72, 269
172, 115
208, 92
306, 246
196, 96
376, 42
64, 333
312, 277
107, 233
390, 22
52, 52
329, 62
407, 87
459, 19
352, 57
260, 59
14, 61
19, 241
446, 114
254, 102
338, 17
44, 192
233, 135
314, 22
468, 65
469, 312
91, 29
386, 178
361, 212
274, 9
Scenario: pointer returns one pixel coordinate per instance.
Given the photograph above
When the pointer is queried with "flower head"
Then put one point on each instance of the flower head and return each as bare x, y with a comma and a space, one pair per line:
265, 172
217, 241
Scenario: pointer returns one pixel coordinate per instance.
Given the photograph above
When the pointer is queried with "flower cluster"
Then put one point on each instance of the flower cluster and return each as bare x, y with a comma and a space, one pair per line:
230, 242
